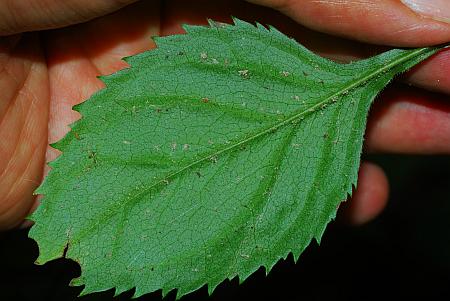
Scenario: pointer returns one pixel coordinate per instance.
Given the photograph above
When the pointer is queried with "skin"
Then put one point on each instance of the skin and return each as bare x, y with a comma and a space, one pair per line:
44, 73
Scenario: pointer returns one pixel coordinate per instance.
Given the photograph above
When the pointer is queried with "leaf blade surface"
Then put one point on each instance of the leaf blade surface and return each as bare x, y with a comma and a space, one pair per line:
221, 151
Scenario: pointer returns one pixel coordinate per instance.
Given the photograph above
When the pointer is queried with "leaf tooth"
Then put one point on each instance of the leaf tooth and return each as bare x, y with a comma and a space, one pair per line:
140, 291
78, 282
123, 288
274, 30
104, 79
211, 22
350, 188
261, 27
321, 229
49, 252
56, 145
243, 276
156, 40
60, 145
190, 29
131, 59
166, 290
187, 28
242, 24
53, 164
216, 24
268, 267
39, 191
88, 288
128, 59
212, 287
180, 293
84, 291
77, 107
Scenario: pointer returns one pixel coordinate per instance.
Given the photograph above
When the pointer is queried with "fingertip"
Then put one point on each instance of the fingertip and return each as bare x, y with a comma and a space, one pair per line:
409, 121
369, 198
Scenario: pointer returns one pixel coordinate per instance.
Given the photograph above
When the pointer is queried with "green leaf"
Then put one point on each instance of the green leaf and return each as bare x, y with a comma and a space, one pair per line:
219, 152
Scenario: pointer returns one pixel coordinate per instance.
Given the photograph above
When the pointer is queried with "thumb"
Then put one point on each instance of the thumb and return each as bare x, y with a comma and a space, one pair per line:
28, 15
412, 23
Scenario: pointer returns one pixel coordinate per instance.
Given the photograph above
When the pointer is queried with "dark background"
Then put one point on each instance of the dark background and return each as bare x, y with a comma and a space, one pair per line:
405, 253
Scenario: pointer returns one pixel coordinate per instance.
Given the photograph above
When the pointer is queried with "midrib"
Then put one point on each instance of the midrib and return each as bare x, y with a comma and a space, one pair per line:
291, 119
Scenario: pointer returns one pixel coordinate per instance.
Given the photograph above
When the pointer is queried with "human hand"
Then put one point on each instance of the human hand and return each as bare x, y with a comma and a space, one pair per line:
45, 73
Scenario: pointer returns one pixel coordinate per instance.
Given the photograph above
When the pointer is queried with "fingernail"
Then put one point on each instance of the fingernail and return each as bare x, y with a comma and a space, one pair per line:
436, 9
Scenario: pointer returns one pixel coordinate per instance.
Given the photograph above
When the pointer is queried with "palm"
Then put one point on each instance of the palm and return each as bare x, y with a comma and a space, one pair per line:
47, 73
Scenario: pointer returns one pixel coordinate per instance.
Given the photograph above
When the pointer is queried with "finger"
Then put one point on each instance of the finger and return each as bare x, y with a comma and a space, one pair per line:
27, 15
409, 120
369, 198
432, 74
386, 22
23, 125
